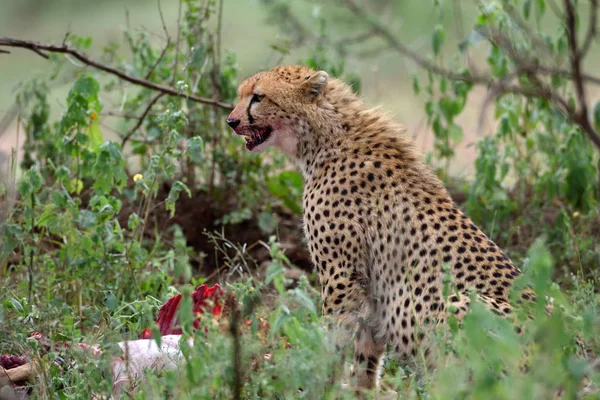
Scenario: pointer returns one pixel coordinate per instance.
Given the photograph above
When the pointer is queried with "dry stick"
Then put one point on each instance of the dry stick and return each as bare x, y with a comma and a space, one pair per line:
39, 49
219, 32
177, 45
580, 116
234, 329
591, 33
159, 59
164, 50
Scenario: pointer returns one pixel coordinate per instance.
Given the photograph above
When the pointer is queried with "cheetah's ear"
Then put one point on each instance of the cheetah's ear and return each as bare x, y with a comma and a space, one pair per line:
315, 84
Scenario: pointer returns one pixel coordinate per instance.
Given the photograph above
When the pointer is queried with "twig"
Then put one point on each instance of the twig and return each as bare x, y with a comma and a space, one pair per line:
219, 32
162, 20
581, 115
164, 50
159, 59
140, 119
356, 39
177, 45
566, 74
591, 33
234, 329
119, 115
65, 49
459, 24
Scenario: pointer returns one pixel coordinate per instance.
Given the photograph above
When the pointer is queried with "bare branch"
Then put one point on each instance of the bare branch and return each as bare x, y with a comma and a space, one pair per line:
219, 32
177, 45
141, 119
118, 114
159, 59
164, 50
356, 39
591, 33
234, 330
581, 115
566, 74
37, 47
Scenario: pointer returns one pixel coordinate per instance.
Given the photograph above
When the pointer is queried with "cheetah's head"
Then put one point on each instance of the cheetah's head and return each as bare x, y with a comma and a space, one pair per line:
274, 107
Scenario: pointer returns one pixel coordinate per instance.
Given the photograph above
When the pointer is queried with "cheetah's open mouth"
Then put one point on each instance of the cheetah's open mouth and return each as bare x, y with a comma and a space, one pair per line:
256, 136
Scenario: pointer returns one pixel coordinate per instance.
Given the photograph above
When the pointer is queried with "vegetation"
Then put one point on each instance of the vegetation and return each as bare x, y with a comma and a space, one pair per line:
97, 233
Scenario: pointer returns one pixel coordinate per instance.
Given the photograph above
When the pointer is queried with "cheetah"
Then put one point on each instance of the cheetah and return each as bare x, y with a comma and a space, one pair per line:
380, 225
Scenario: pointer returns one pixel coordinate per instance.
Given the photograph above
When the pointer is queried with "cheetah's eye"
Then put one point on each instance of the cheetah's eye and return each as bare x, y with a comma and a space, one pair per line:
257, 98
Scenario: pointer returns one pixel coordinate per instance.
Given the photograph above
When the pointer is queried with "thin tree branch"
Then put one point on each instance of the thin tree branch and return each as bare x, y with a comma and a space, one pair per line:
177, 45
356, 39
159, 59
544, 70
581, 115
37, 47
219, 32
118, 114
164, 50
591, 33
140, 119
236, 350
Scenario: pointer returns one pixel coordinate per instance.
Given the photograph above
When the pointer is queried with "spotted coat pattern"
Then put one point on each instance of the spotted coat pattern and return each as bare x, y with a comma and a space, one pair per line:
380, 226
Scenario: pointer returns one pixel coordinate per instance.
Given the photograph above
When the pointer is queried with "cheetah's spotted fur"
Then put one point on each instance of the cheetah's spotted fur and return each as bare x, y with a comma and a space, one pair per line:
379, 224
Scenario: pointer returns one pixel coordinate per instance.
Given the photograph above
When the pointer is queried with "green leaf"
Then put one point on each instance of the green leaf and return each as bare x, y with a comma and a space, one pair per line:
267, 222
292, 178
16, 304
597, 116
305, 301
416, 87
438, 39
455, 133
482, 19
195, 149
95, 138
110, 301
134, 221
75, 186
527, 8
275, 187
177, 187
541, 8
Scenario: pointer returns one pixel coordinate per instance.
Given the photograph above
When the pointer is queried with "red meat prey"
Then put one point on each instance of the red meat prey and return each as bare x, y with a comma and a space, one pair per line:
167, 322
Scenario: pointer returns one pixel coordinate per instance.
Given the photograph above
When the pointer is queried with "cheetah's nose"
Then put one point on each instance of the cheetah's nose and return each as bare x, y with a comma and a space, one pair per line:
233, 123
